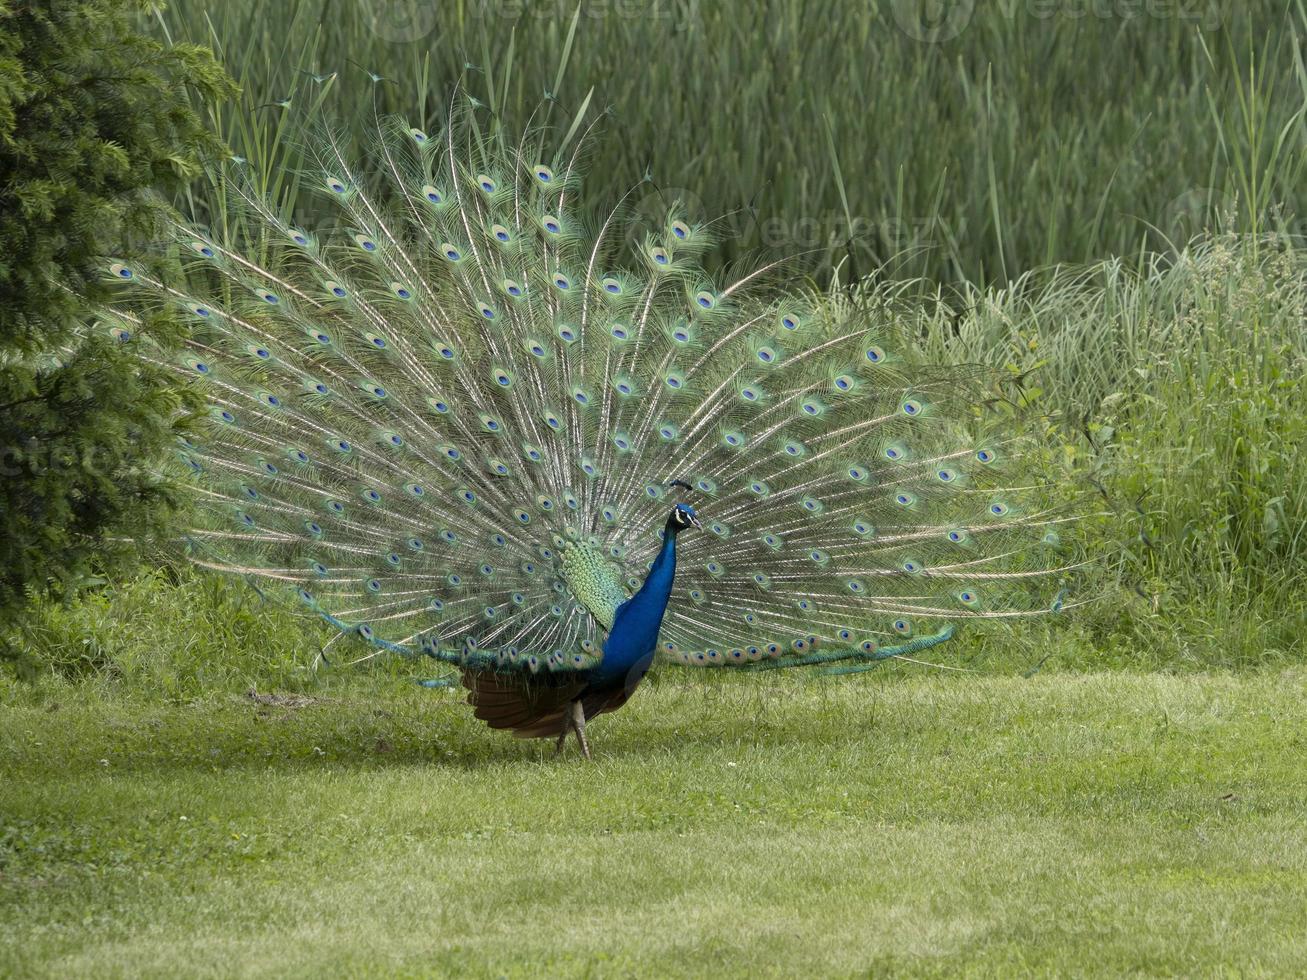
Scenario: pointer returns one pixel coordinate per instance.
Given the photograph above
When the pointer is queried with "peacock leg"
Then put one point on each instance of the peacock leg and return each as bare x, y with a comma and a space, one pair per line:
562, 738
578, 726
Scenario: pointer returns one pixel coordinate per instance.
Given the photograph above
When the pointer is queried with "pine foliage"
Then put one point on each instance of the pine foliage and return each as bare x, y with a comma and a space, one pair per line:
93, 114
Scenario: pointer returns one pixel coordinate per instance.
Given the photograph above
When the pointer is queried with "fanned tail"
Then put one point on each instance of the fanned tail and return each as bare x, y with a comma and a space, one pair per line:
450, 425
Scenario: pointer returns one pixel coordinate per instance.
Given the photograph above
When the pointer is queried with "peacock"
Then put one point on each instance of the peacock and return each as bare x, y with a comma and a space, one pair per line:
471, 420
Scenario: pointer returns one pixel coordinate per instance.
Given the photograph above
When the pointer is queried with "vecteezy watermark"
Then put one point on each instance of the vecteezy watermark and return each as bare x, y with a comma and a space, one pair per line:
834, 229
650, 209
400, 20
35, 457
933, 21
648, 220
565, 10
1197, 211
1205, 13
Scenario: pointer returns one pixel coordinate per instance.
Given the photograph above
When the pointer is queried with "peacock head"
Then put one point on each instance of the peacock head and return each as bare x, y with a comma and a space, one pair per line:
681, 517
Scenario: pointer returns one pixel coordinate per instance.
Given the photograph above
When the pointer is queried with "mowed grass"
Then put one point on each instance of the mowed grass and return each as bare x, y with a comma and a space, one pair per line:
895, 823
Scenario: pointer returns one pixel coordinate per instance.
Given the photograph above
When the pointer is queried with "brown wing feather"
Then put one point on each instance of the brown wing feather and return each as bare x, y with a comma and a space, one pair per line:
530, 708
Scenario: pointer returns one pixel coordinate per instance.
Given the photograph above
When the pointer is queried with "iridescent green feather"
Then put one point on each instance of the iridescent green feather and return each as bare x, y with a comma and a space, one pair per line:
450, 424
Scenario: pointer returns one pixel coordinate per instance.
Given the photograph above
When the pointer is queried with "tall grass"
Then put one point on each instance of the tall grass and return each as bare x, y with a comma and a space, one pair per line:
1023, 194
1178, 380
1022, 135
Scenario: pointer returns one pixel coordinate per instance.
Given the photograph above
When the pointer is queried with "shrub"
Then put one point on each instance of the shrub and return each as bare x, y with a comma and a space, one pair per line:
92, 116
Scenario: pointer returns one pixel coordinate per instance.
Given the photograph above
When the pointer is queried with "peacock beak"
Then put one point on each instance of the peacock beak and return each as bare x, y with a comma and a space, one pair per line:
695, 522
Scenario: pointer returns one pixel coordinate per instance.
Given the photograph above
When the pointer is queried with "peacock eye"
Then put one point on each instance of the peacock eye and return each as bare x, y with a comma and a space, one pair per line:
681, 386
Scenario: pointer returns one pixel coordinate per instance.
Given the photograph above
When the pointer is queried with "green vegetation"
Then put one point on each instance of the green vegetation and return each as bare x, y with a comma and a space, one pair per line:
1044, 178
93, 115
1112, 824
1167, 369
1107, 208
1031, 132
1178, 382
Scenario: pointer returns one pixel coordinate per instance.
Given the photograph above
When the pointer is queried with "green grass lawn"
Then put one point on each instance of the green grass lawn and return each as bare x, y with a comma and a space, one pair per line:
904, 823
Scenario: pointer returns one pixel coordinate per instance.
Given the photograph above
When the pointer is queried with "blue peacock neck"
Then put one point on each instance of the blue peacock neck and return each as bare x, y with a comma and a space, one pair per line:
630, 646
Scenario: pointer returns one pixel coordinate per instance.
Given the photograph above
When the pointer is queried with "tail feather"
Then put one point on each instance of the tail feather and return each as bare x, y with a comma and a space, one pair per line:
416, 413
511, 701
